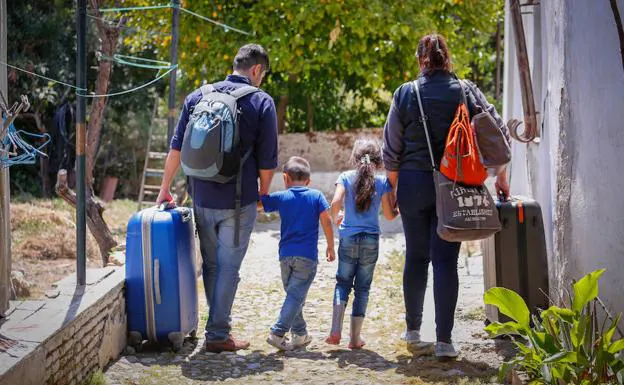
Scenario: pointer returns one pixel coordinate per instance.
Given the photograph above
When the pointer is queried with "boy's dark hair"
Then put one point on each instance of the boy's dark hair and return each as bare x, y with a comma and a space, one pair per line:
297, 168
249, 55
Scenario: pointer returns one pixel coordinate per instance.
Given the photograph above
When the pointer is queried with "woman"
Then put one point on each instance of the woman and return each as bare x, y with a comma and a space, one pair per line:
408, 165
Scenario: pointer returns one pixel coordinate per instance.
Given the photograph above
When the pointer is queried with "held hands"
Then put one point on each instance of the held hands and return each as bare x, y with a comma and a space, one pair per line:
331, 254
339, 218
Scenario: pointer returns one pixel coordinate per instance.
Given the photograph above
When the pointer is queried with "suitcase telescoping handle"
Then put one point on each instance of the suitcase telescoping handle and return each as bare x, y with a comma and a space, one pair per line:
157, 281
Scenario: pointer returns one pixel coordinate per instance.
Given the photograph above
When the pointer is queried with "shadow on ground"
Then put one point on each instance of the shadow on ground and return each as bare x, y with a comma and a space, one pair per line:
204, 366
362, 358
431, 369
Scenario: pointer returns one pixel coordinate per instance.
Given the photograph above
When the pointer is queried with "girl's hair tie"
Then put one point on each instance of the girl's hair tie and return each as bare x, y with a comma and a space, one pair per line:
365, 159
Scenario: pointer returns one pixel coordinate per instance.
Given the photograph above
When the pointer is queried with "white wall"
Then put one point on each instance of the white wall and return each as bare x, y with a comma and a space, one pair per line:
574, 170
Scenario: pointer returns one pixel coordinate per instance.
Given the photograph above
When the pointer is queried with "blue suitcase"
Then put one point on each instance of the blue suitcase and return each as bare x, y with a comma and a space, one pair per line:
161, 287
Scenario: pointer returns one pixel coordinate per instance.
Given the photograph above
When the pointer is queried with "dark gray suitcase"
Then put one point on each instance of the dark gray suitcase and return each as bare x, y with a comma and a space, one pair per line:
516, 257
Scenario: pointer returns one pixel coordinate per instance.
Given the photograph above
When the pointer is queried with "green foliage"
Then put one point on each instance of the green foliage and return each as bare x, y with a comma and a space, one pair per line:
335, 63
565, 345
97, 378
324, 52
47, 47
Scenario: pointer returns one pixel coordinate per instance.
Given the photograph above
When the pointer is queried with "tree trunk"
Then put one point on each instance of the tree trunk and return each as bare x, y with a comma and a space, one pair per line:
310, 115
109, 37
97, 226
281, 114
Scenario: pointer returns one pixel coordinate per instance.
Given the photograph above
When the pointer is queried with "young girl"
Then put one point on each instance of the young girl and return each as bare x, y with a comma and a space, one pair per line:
361, 192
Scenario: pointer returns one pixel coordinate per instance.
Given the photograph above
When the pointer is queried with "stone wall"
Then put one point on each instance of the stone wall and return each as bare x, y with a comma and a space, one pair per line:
64, 340
326, 151
89, 343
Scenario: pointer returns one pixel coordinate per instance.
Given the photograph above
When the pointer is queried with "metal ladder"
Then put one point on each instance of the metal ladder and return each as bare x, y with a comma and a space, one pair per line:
155, 155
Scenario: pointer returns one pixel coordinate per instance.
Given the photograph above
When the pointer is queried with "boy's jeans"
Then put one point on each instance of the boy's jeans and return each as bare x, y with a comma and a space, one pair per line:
297, 276
357, 258
222, 262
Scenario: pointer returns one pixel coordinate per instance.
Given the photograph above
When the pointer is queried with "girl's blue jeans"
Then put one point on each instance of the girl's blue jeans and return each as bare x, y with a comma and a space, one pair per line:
357, 258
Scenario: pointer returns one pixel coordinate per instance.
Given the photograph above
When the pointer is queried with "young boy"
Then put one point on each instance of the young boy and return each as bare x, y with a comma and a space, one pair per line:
300, 209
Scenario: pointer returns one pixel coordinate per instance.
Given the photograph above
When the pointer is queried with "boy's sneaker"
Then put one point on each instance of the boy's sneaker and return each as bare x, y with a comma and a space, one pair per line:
280, 343
412, 337
300, 341
445, 350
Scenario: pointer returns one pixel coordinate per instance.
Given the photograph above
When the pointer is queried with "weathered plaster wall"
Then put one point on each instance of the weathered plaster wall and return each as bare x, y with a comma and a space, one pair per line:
596, 145
573, 170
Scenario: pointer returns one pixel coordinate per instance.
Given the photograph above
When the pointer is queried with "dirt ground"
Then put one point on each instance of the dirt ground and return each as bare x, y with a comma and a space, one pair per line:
43, 234
385, 359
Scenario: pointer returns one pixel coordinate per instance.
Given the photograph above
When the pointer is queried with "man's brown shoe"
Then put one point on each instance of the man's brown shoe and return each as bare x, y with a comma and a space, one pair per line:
229, 345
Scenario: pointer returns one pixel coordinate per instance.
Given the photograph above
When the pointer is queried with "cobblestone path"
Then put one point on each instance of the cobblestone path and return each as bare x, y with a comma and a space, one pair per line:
385, 360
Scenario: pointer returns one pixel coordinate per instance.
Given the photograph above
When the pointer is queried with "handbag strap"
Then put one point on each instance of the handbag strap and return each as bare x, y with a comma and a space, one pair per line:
423, 119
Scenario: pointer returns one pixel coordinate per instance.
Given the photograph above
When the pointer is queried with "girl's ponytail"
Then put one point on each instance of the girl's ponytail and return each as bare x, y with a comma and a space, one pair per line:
366, 158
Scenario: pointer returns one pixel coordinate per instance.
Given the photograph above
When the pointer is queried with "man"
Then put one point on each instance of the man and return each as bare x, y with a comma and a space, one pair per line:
214, 203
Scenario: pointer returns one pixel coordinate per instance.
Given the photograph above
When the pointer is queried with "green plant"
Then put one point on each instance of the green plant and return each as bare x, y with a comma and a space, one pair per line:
97, 378
566, 345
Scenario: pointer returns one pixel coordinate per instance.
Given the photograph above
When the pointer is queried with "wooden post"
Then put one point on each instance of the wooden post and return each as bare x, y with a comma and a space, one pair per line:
5, 205
81, 138
171, 115
497, 84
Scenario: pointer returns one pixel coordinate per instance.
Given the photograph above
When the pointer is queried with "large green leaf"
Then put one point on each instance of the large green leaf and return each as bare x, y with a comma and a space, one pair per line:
586, 290
616, 347
567, 357
566, 315
509, 303
496, 329
545, 341
608, 335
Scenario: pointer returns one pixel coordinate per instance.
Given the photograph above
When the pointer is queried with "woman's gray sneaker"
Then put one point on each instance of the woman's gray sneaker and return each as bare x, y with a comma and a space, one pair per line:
444, 350
412, 337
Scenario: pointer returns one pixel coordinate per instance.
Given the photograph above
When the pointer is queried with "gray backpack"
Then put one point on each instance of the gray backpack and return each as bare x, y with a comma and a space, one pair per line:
211, 148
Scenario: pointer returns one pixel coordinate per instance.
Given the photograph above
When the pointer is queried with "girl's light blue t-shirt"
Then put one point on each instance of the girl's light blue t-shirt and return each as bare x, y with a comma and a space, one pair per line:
355, 222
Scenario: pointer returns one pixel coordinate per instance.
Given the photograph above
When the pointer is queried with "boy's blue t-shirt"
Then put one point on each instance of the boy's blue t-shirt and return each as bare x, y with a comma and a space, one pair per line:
355, 222
300, 209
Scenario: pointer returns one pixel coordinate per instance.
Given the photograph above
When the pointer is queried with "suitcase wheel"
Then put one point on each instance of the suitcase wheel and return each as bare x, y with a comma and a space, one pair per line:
177, 340
135, 339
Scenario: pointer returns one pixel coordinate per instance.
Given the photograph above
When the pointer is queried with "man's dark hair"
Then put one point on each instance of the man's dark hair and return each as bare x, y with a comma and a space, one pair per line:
249, 55
298, 169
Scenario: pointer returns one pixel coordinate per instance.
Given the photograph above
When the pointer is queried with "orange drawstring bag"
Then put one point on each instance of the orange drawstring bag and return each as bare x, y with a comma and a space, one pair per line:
461, 161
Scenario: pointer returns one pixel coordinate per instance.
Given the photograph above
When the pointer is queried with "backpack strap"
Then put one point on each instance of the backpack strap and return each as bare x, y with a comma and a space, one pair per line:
239, 191
243, 91
207, 89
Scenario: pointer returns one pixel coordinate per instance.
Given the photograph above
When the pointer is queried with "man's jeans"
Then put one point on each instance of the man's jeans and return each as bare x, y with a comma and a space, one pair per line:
221, 263
357, 258
297, 276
